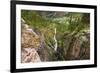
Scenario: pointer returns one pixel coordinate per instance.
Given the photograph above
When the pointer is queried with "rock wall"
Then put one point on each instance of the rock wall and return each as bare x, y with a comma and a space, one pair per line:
30, 43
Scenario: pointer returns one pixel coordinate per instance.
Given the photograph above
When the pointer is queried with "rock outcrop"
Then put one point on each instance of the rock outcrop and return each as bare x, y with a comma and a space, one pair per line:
30, 42
30, 55
78, 47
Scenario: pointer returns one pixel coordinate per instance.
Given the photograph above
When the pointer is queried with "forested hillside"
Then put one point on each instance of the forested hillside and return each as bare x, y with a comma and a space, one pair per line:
55, 36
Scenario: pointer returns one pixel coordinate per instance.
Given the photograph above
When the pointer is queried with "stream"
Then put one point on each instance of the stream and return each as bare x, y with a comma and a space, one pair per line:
55, 47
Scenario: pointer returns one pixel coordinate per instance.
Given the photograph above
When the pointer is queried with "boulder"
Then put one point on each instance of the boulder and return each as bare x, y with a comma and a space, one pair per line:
29, 55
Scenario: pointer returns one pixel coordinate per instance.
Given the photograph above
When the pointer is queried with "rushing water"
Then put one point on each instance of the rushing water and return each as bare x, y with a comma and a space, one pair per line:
55, 47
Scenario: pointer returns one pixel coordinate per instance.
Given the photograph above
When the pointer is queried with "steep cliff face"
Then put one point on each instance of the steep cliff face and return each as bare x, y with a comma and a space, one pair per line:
30, 43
